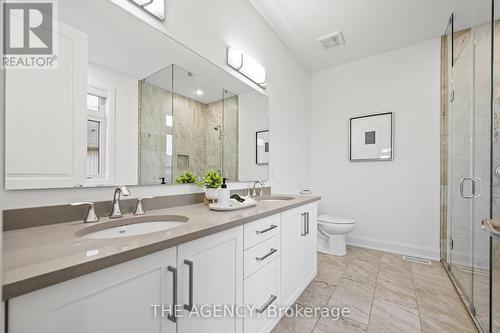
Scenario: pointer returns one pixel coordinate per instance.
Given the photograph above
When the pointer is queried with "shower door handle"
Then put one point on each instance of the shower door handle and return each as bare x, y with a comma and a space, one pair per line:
475, 192
462, 181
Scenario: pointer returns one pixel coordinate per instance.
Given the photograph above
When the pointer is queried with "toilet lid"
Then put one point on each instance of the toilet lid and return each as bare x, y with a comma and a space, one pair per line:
335, 219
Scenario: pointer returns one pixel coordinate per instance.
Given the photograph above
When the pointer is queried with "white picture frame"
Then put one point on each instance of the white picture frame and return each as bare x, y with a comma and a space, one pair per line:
371, 137
262, 147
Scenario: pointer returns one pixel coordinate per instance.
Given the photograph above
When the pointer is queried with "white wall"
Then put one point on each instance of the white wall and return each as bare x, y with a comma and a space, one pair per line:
396, 203
252, 117
209, 27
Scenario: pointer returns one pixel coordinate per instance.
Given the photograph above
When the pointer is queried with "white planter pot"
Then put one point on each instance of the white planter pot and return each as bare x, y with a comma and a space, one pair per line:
211, 193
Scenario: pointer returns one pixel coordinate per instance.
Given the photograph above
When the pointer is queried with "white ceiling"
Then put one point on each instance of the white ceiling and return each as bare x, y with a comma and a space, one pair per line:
121, 42
370, 27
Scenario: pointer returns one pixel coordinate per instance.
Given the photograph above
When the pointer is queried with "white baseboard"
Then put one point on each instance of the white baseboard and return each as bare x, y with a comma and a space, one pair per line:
399, 248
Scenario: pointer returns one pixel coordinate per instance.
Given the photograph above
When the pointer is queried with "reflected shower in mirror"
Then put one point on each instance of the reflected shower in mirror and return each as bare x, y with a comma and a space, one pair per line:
186, 122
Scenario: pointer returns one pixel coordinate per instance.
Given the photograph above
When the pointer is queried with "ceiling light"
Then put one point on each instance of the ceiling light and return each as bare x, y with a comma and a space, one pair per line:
332, 40
153, 7
199, 92
246, 66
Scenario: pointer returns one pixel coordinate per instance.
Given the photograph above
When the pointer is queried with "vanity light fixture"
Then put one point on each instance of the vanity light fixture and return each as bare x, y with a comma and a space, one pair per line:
153, 7
246, 66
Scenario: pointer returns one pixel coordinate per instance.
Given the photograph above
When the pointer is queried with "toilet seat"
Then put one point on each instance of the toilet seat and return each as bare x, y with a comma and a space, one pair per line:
332, 219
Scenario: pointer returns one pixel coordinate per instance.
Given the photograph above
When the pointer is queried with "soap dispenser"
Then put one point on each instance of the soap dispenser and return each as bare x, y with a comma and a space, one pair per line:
223, 198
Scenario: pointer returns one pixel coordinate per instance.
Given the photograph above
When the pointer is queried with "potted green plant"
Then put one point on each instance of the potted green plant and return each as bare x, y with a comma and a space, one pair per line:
187, 177
211, 182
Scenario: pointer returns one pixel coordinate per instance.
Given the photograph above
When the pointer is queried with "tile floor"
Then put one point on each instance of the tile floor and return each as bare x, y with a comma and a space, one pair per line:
384, 294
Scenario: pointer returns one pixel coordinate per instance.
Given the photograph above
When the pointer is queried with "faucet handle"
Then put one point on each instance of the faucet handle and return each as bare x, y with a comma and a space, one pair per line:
139, 210
91, 215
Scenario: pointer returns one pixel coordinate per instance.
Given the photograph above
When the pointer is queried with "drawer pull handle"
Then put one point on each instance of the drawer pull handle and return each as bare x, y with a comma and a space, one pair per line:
307, 223
303, 229
273, 226
266, 305
189, 306
265, 256
172, 316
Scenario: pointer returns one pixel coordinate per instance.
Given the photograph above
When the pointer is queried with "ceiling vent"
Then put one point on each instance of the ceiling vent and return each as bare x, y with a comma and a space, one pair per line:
332, 40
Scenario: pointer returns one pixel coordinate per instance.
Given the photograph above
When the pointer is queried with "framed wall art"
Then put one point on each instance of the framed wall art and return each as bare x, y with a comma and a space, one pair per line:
371, 137
262, 147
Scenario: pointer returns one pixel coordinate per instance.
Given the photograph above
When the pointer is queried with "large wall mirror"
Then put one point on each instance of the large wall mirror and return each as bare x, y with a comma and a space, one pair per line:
128, 105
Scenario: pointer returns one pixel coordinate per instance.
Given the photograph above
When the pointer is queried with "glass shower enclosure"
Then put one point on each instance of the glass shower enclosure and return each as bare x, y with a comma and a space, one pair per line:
469, 152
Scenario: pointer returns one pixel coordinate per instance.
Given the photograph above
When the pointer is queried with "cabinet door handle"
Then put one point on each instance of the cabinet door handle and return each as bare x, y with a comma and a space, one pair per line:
189, 306
172, 316
266, 305
303, 226
265, 256
307, 223
273, 226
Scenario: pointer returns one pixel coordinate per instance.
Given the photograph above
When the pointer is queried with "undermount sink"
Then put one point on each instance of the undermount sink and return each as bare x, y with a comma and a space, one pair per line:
275, 198
133, 226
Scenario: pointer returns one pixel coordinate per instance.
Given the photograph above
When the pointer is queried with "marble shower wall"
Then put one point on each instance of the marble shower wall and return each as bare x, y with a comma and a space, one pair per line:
230, 146
204, 136
155, 104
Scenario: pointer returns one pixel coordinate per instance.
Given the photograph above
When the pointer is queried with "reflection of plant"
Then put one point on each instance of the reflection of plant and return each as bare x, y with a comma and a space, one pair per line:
186, 177
212, 179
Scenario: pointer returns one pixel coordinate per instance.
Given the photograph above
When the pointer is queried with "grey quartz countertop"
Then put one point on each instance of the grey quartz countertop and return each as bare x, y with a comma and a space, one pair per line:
34, 258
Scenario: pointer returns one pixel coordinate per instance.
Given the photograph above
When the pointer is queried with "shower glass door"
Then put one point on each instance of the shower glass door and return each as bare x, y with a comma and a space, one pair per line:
469, 156
460, 127
481, 33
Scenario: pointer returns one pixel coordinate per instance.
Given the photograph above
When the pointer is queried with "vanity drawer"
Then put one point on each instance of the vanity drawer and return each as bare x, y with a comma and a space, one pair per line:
260, 255
260, 230
261, 293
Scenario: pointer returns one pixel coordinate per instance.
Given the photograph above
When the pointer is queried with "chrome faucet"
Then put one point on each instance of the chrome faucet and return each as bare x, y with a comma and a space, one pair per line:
254, 190
115, 210
139, 209
91, 215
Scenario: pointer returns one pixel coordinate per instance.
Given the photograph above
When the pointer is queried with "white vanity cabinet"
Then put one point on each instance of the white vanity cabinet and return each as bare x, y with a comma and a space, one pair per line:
211, 275
266, 262
298, 251
262, 274
308, 264
115, 299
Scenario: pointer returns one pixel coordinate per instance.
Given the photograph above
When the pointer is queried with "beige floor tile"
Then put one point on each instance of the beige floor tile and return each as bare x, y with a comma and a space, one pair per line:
404, 280
389, 317
295, 325
394, 293
330, 268
365, 254
439, 316
394, 263
361, 271
328, 273
355, 296
436, 289
396, 259
316, 294
336, 260
384, 294
341, 325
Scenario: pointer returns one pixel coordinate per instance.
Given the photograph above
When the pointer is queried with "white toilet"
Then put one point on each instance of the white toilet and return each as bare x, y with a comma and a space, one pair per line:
332, 232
